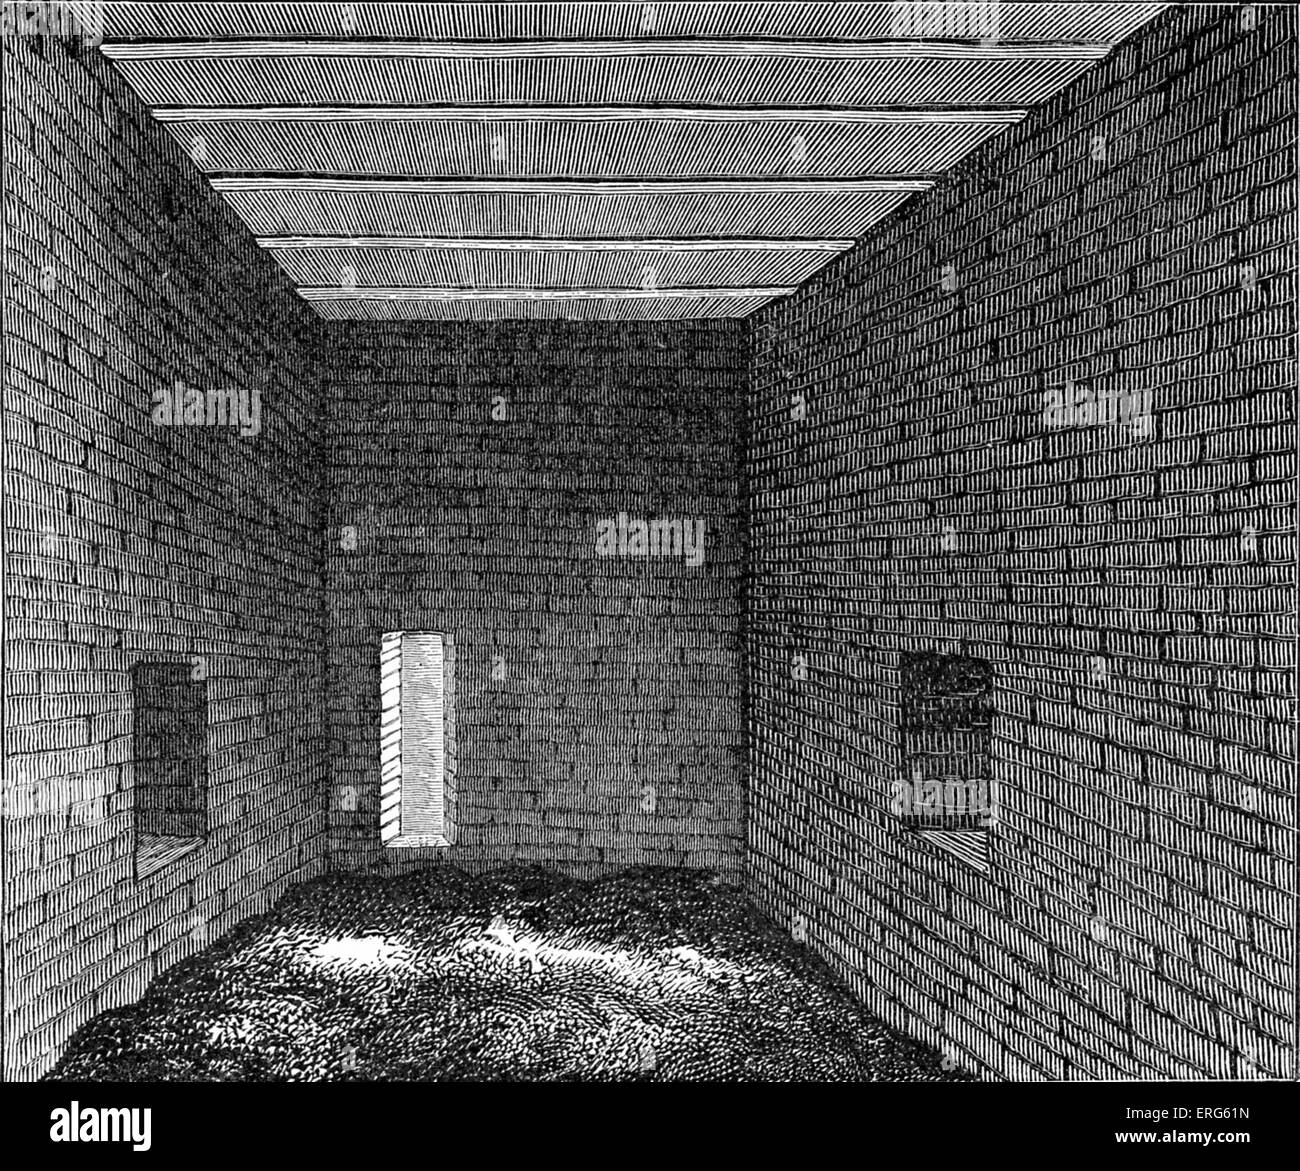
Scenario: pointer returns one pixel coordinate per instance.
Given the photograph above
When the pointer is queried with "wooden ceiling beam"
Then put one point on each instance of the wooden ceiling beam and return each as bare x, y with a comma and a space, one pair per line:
946, 50
963, 116
489, 244
419, 186
313, 293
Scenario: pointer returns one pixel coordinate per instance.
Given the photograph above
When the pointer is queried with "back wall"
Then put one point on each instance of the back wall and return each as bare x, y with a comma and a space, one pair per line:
598, 698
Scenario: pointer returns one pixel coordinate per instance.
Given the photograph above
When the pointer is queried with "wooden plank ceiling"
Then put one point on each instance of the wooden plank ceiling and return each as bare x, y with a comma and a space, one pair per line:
594, 161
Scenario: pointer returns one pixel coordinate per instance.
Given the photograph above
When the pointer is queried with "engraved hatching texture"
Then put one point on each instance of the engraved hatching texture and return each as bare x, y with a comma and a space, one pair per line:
581, 681
1130, 590
130, 542
1131, 593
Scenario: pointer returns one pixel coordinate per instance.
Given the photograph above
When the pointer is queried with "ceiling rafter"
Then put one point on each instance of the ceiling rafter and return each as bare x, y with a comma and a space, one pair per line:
397, 161
832, 50
564, 186
808, 20
426, 294
397, 243
979, 116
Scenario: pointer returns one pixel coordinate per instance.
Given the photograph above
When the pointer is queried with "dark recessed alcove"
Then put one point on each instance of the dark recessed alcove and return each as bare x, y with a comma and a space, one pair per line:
170, 752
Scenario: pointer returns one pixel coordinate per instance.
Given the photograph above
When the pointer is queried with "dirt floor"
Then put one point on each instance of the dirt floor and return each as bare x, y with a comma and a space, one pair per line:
517, 975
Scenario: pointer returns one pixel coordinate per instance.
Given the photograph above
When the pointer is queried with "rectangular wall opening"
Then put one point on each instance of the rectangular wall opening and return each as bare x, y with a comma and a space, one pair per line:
946, 791
170, 753
416, 739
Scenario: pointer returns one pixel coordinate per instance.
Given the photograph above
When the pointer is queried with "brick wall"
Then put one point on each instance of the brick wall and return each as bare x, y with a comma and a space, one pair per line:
1130, 587
129, 542
580, 680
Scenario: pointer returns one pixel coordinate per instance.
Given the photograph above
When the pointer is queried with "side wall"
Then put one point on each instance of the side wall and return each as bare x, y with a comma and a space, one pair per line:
1132, 590
471, 466
130, 542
